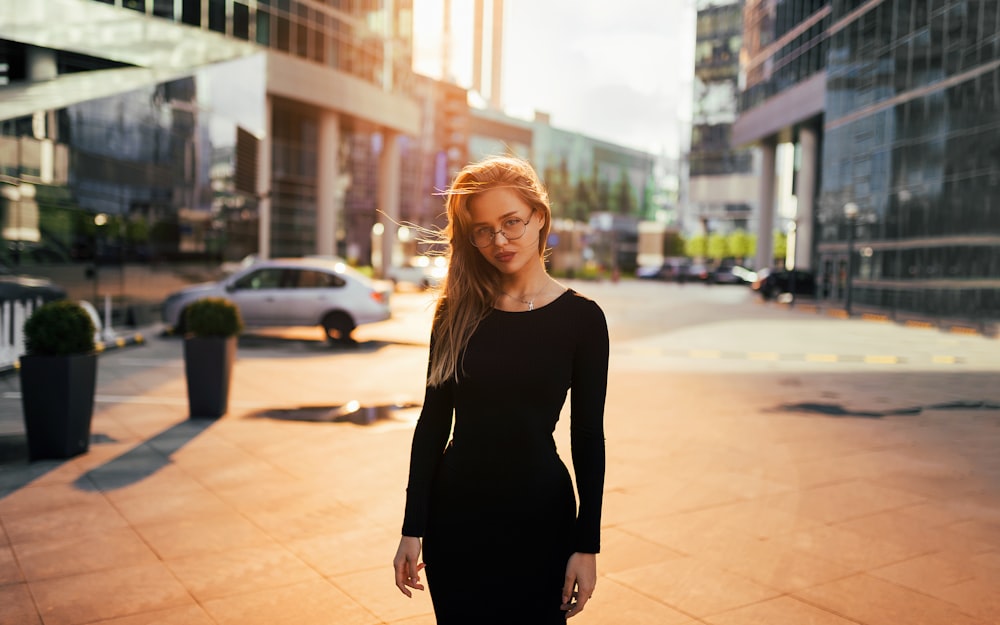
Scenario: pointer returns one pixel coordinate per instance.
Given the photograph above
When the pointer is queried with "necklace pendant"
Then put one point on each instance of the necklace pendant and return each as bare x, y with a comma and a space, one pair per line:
531, 305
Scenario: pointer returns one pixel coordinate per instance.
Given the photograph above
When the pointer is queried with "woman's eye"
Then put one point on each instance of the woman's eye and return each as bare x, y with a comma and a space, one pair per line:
482, 232
510, 223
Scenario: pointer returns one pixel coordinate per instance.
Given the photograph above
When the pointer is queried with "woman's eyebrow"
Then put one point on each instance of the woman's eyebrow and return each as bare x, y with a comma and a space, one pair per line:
512, 213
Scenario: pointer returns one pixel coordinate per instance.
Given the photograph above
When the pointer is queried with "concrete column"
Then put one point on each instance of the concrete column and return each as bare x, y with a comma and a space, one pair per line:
477, 46
765, 220
326, 184
264, 173
496, 57
388, 195
806, 200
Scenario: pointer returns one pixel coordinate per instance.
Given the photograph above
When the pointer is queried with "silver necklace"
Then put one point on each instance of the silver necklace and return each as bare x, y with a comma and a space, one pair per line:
529, 302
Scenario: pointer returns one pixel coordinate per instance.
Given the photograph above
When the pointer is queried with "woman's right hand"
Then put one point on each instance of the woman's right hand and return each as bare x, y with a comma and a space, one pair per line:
406, 565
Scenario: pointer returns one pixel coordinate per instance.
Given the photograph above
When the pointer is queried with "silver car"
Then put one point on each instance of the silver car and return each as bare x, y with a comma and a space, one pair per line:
312, 291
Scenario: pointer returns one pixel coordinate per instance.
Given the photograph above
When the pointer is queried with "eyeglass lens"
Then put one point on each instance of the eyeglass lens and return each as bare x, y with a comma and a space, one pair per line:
511, 229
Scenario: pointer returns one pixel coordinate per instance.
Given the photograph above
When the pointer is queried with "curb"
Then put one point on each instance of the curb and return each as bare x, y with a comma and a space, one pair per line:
953, 327
100, 347
121, 341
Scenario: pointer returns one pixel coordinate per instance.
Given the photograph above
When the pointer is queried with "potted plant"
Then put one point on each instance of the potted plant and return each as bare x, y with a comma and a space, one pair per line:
58, 377
211, 327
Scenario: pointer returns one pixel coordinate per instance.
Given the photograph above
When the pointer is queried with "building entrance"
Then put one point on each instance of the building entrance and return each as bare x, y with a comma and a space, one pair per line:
831, 279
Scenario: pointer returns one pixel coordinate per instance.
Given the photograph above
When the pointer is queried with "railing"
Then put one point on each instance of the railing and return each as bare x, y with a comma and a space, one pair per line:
13, 314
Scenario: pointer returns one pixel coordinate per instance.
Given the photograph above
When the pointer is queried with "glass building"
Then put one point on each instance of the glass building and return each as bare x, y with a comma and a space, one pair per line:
894, 108
144, 142
722, 177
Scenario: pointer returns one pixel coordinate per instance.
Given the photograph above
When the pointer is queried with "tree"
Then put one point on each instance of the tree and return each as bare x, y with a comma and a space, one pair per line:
780, 247
673, 244
695, 246
624, 202
716, 247
739, 243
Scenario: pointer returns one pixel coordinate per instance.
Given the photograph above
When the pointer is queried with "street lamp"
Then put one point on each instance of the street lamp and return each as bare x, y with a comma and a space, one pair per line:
851, 214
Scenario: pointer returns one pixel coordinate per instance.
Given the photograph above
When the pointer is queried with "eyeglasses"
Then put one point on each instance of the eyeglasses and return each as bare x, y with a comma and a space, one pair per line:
512, 229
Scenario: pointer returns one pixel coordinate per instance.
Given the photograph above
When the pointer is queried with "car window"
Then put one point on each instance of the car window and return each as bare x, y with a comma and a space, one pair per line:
311, 279
266, 278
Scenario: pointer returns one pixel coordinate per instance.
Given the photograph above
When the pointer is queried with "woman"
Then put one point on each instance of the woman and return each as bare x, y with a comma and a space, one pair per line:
502, 539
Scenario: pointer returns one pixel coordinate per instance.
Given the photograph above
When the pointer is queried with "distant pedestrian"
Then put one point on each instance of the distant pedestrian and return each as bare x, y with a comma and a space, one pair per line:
502, 539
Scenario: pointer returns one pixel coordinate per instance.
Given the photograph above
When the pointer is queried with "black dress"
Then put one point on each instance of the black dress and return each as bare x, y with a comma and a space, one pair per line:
496, 509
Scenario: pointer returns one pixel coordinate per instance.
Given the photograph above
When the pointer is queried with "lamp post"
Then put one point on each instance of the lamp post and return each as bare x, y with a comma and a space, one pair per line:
851, 214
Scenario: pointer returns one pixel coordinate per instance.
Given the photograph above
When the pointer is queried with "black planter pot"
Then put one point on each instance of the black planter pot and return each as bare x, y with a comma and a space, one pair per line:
57, 398
208, 367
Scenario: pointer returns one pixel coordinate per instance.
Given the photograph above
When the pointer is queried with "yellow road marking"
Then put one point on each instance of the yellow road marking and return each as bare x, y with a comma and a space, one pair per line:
945, 360
963, 330
874, 317
882, 360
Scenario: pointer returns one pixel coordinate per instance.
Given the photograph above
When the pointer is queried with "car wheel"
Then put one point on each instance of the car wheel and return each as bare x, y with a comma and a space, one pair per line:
338, 327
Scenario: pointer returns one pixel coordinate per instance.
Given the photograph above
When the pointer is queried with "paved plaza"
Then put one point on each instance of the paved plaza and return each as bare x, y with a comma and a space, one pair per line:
790, 470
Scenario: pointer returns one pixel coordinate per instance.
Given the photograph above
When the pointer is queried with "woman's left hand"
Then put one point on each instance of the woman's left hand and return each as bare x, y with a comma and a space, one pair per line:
581, 579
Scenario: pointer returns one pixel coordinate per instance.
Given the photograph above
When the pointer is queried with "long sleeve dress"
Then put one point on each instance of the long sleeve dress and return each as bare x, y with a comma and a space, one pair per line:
495, 504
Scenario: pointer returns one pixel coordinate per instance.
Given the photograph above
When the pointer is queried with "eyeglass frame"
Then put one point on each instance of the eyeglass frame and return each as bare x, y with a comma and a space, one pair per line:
494, 233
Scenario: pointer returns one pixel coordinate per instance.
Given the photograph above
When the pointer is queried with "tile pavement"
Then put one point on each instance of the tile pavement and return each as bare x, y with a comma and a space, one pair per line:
722, 508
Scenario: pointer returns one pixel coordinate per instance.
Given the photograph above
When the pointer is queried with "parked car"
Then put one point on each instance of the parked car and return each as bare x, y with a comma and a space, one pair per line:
320, 291
669, 270
16, 287
728, 273
421, 271
694, 272
771, 283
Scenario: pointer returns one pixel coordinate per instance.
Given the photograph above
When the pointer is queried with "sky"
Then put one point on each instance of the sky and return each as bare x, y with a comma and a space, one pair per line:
617, 70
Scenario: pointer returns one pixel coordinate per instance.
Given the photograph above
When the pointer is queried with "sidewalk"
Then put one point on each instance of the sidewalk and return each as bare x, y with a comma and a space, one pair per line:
836, 309
728, 501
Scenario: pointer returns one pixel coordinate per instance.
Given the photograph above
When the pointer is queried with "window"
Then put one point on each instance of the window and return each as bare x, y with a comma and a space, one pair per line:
309, 279
241, 21
270, 278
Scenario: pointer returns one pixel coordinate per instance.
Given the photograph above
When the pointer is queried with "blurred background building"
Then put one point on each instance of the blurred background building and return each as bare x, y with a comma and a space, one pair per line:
891, 110
724, 178
145, 143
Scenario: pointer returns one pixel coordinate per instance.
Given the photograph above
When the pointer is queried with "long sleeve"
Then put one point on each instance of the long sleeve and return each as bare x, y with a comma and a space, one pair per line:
429, 439
588, 391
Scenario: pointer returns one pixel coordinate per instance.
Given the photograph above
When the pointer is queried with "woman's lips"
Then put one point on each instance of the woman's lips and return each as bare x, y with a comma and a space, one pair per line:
504, 257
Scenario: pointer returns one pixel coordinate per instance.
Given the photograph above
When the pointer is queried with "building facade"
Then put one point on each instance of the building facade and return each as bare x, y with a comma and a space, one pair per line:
893, 108
201, 131
599, 191
722, 191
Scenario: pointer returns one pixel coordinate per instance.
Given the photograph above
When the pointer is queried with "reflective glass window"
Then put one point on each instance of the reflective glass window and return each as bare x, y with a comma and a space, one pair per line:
217, 15
191, 12
241, 21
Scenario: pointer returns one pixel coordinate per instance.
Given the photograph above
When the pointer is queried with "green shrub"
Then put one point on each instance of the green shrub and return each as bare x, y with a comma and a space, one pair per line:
59, 328
213, 316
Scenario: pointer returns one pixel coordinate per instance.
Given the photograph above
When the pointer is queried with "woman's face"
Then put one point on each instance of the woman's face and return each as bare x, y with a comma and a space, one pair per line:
499, 211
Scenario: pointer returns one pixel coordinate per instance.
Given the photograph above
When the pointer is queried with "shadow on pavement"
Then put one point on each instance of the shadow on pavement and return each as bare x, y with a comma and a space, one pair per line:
837, 410
351, 412
143, 460
317, 345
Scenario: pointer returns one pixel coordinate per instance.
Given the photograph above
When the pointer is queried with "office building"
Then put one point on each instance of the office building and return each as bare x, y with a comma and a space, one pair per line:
198, 130
894, 111
722, 191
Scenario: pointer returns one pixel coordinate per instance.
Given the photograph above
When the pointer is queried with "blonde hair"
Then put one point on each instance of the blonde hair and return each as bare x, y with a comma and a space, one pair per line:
473, 284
